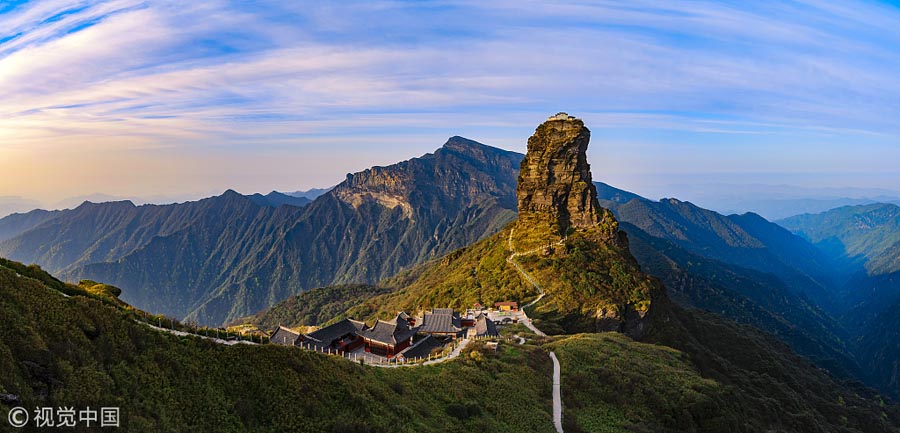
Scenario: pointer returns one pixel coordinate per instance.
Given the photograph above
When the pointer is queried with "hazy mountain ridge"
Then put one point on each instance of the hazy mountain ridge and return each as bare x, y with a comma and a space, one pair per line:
746, 240
275, 199
746, 296
18, 223
310, 194
228, 256
861, 235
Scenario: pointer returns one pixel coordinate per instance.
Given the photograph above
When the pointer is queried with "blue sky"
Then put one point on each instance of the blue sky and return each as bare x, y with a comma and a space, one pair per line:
160, 98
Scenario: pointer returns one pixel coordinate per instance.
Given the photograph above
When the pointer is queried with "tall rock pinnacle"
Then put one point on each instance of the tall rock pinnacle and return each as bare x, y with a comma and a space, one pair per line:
555, 190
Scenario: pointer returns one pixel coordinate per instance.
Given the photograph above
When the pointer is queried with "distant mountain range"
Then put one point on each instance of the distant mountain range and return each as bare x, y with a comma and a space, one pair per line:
10, 205
228, 256
310, 194
13, 204
777, 201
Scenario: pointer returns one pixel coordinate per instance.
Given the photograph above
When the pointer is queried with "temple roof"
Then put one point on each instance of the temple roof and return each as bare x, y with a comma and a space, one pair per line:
483, 326
389, 333
440, 321
284, 335
337, 330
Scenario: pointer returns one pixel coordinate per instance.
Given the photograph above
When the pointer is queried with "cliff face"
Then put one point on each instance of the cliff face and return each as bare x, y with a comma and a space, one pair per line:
455, 176
555, 192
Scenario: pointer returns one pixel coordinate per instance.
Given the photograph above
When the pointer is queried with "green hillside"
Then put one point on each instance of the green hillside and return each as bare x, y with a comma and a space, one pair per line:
81, 351
580, 279
314, 307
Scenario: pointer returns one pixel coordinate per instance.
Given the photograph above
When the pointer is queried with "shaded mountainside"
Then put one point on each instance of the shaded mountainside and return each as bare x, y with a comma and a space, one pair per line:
745, 240
865, 240
106, 232
765, 372
229, 256
17, 223
860, 235
746, 296
880, 346
741, 267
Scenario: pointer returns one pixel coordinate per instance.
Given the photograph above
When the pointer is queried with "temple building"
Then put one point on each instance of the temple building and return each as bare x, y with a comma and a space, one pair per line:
483, 327
342, 336
284, 336
441, 322
507, 306
388, 338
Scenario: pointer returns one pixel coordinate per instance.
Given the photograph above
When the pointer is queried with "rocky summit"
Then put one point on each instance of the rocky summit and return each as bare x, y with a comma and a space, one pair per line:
555, 192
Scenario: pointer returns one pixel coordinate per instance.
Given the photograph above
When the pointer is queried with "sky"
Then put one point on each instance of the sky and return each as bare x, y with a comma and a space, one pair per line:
174, 99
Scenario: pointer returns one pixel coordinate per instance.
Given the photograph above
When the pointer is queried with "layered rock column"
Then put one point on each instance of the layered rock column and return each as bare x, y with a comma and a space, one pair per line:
555, 192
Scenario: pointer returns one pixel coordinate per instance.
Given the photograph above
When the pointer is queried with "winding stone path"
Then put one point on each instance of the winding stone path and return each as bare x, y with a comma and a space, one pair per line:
511, 260
453, 354
188, 334
557, 395
529, 325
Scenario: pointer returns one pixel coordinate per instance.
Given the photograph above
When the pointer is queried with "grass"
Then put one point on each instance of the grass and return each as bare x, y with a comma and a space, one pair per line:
581, 278
88, 351
613, 384
80, 351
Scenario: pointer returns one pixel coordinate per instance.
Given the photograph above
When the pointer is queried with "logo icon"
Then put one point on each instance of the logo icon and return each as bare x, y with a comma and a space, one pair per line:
18, 417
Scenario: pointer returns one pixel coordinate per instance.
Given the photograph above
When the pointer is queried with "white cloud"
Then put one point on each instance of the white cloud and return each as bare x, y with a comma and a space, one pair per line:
148, 75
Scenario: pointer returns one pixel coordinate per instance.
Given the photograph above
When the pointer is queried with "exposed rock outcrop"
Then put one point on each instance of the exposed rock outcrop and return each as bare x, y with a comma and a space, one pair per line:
555, 192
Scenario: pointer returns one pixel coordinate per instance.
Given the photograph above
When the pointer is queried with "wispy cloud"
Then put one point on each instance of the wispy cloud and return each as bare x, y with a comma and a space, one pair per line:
178, 78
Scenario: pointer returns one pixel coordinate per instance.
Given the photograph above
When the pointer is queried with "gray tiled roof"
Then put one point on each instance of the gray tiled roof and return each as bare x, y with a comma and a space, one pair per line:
284, 335
390, 333
423, 348
328, 334
440, 321
483, 327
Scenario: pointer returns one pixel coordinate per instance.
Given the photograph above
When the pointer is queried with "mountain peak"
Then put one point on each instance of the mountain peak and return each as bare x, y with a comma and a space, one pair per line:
472, 150
555, 189
87, 204
457, 142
